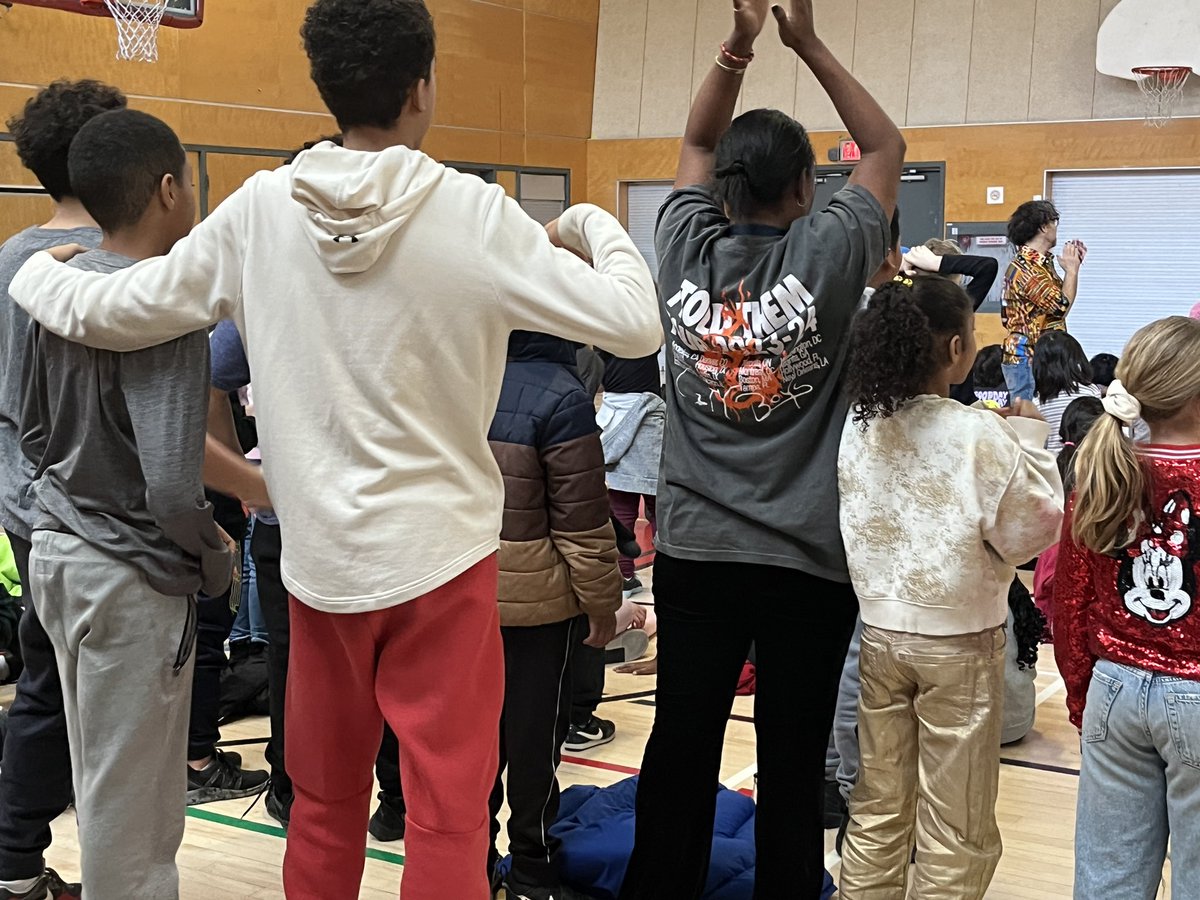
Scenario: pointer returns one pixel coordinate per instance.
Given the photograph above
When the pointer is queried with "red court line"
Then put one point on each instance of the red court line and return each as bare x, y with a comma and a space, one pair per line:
624, 770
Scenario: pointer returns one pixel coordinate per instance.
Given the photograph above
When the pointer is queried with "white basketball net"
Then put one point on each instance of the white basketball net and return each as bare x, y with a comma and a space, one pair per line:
138, 22
1162, 88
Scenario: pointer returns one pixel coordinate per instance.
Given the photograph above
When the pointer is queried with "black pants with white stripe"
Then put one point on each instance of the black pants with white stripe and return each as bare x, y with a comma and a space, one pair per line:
537, 711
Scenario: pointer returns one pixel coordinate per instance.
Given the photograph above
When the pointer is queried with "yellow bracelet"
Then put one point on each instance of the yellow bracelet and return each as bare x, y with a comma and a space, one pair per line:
728, 68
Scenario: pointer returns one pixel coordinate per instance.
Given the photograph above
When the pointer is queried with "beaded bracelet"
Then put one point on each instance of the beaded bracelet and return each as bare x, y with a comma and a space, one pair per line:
734, 58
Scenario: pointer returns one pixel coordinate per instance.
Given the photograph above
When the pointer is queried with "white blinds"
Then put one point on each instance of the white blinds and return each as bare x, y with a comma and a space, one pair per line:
644, 200
1142, 264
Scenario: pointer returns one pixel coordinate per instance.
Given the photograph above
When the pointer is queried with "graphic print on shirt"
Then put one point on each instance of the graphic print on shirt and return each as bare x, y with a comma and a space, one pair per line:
739, 354
1157, 579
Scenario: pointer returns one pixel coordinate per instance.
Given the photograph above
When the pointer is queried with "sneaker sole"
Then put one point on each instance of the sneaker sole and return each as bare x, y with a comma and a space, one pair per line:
632, 644
588, 745
200, 796
625, 595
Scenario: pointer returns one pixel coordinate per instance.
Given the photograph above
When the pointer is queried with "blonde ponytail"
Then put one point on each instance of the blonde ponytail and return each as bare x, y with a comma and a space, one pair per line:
1161, 369
1110, 487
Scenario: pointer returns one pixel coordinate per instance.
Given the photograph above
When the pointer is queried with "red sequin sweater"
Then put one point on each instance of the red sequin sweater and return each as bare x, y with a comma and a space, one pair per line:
1137, 607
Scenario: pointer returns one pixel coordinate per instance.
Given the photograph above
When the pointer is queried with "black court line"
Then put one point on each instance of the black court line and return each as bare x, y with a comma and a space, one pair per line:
1041, 767
244, 743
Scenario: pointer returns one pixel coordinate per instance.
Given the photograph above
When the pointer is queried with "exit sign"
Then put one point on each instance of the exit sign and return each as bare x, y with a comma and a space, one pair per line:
848, 151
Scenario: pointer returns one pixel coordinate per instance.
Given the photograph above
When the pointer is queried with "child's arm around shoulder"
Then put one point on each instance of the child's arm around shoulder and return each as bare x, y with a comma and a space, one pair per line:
1020, 489
196, 285
611, 304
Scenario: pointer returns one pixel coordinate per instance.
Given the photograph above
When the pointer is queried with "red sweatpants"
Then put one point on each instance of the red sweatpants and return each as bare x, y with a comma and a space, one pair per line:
434, 669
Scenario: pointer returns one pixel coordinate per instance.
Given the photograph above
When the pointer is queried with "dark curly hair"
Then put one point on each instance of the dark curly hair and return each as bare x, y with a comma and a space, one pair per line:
1029, 624
758, 160
1029, 219
894, 349
367, 55
49, 122
1059, 366
1077, 420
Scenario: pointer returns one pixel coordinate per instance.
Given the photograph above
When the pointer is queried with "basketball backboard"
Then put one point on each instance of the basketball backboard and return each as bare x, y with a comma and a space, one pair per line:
179, 14
1158, 33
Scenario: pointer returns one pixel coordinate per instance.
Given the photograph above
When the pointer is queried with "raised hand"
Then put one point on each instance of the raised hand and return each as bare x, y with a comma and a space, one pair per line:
1072, 257
921, 259
749, 19
797, 28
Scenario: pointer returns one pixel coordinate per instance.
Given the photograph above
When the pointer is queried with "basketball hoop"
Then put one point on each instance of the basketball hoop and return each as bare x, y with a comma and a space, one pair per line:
138, 22
1162, 87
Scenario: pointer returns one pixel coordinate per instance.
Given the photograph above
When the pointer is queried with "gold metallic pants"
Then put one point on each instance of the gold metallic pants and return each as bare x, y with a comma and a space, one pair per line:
929, 726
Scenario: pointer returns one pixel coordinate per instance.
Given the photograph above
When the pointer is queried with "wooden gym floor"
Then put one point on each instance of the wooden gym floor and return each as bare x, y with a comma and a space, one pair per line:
233, 854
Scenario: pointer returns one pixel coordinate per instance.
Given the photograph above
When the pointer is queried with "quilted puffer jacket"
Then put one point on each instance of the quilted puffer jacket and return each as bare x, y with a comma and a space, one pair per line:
558, 554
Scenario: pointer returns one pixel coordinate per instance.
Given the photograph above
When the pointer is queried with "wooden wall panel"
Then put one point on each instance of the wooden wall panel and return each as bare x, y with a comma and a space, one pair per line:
559, 76
19, 211
227, 173
11, 170
508, 70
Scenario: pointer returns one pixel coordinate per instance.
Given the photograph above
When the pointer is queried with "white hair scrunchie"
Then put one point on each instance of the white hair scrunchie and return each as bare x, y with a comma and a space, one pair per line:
1122, 405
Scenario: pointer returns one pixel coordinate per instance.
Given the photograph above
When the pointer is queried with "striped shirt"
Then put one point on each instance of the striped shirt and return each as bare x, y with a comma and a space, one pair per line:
1052, 411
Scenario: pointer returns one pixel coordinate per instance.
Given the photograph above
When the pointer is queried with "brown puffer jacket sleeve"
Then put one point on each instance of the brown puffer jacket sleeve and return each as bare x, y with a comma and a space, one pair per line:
580, 527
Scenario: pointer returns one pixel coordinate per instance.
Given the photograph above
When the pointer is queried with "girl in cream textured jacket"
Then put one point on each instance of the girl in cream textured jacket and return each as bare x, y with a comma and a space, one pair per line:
939, 502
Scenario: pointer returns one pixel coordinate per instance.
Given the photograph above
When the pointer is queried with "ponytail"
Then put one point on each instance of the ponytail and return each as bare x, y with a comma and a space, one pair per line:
1110, 488
1157, 378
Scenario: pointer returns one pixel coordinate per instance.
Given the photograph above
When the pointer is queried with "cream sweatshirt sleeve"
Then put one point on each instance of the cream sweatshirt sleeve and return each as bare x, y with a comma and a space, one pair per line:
612, 305
157, 300
1026, 516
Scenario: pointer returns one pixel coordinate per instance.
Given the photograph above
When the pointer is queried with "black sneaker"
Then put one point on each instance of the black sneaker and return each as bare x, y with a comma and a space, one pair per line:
632, 587
835, 806
279, 808
224, 779
387, 824
49, 887
592, 733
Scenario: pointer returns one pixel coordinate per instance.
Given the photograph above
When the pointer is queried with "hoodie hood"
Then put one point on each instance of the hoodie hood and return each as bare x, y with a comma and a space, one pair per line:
356, 201
528, 346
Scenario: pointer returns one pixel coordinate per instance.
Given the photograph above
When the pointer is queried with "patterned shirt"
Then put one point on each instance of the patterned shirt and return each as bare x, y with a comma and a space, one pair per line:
1033, 302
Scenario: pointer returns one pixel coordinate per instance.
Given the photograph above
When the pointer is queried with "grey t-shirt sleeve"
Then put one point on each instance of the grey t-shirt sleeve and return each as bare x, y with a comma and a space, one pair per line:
686, 215
851, 235
166, 394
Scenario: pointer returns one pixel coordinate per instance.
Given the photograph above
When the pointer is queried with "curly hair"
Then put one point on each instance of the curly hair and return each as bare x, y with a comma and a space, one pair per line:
49, 122
758, 160
894, 350
367, 55
1029, 624
1029, 219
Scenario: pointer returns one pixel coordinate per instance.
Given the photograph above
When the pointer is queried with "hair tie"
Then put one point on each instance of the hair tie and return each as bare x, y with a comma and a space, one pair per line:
737, 167
1122, 405
1068, 444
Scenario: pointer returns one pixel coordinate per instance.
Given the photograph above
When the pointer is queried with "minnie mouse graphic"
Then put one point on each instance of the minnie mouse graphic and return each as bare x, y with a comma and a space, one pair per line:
1158, 578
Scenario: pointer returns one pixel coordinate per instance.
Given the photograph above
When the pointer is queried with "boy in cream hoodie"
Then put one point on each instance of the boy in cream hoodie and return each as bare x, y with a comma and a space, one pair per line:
375, 291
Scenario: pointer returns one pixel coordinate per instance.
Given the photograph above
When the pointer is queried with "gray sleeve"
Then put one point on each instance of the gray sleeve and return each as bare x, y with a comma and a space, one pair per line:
687, 216
851, 235
166, 394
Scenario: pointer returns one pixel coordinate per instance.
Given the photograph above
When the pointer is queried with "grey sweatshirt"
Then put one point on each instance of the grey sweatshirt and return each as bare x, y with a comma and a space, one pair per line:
15, 471
118, 444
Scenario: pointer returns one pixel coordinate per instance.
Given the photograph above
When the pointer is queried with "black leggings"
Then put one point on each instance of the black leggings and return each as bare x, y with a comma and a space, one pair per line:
709, 614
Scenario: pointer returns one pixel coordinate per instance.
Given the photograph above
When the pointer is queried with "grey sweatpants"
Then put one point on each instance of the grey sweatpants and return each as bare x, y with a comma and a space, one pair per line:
125, 690
841, 762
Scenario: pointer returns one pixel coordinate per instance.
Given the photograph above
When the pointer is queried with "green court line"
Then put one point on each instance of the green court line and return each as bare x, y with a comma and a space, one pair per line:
275, 831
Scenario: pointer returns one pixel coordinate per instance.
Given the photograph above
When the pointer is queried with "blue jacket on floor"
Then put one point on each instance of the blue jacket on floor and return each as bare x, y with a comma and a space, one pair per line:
596, 828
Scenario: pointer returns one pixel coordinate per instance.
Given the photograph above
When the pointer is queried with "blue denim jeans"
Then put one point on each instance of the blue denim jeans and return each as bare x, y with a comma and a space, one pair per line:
249, 623
1019, 378
1139, 786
